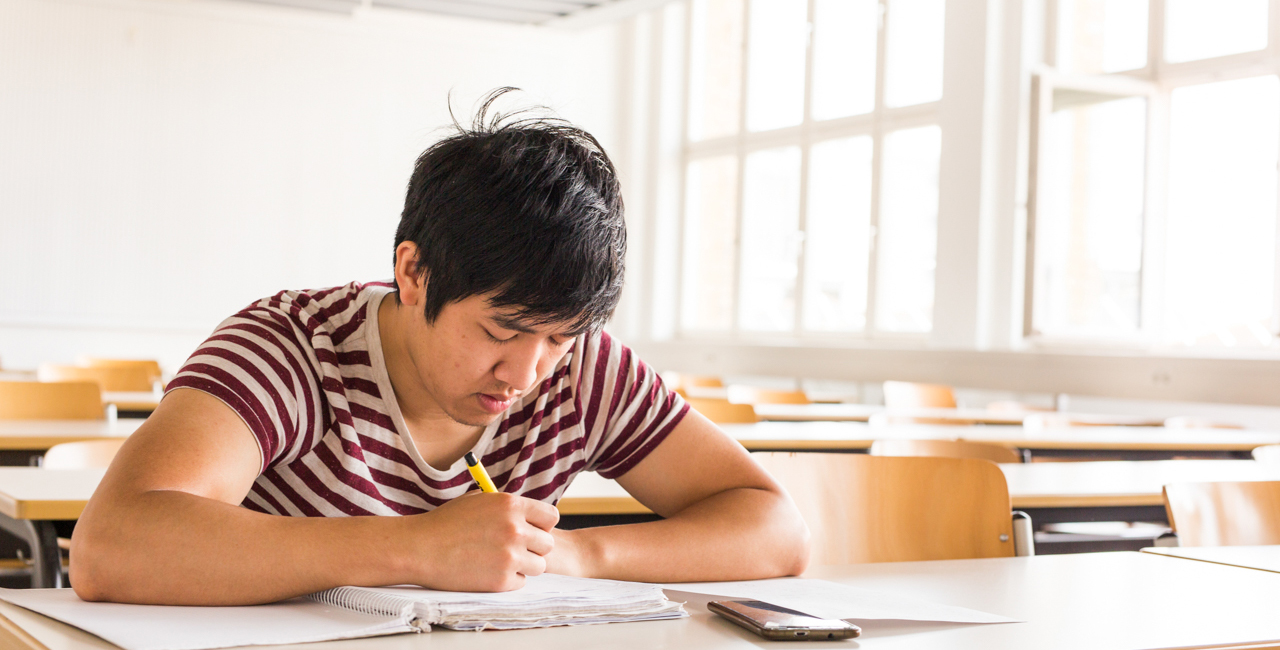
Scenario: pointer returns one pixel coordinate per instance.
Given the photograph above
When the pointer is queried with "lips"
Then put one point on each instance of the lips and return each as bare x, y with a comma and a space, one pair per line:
494, 404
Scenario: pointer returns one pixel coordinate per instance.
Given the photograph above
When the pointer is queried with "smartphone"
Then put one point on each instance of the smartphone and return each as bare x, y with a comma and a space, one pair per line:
781, 624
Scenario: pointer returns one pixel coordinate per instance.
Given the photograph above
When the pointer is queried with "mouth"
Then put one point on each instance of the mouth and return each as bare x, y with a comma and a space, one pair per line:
495, 403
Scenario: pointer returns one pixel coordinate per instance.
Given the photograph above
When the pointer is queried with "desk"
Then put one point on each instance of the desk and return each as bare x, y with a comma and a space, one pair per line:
1129, 443
1262, 558
1049, 492
1109, 601
42, 434
132, 401
31, 499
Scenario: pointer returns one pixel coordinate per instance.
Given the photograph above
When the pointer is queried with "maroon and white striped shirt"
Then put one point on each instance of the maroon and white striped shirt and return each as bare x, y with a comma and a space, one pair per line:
304, 369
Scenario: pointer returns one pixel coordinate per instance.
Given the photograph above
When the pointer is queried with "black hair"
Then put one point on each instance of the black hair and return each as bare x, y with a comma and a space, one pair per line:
523, 206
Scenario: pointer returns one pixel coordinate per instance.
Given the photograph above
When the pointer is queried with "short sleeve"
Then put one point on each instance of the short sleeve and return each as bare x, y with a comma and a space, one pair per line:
627, 409
259, 363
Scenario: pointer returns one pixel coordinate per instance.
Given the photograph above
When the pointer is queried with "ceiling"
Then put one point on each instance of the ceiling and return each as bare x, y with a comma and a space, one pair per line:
511, 11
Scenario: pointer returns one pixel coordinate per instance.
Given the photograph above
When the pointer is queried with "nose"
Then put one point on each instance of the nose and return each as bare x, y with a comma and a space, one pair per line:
519, 368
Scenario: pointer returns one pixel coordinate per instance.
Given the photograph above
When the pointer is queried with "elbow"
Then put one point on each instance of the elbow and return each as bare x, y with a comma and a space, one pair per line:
89, 573
795, 542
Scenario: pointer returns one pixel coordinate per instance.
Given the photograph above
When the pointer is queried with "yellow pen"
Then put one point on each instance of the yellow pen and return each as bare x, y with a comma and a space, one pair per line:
478, 473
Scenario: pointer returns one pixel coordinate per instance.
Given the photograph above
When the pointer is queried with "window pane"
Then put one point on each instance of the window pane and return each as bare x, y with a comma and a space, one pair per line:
775, 64
1102, 35
715, 74
1221, 237
1200, 29
770, 240
908, 233
711, 201
1088, 228
913, 56
837, 244
844, 57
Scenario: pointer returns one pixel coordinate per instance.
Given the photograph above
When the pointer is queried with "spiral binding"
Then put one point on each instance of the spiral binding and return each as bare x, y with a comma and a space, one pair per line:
365, 601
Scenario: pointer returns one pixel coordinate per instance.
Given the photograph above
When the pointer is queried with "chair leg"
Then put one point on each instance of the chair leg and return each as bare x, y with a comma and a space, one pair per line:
1024, 540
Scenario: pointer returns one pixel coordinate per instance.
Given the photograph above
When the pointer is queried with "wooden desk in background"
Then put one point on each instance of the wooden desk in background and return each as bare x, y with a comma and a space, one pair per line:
31, 499
42, 434
1116, 601
1127, 443
143, 402
1262, 558
1049, 492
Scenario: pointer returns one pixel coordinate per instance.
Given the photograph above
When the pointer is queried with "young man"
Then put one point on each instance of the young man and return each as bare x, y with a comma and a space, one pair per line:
316, 438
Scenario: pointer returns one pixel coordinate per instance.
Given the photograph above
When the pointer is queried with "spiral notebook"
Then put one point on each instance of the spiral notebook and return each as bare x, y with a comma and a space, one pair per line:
353, 612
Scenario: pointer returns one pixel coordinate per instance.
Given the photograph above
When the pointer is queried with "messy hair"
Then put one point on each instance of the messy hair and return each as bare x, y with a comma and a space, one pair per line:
521, 206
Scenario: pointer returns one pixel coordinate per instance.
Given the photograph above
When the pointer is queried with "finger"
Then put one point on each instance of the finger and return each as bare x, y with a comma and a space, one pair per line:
542, 515
539, 541
533, 565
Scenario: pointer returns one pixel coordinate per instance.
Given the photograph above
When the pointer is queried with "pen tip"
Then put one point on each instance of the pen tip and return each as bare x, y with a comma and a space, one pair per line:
471, 459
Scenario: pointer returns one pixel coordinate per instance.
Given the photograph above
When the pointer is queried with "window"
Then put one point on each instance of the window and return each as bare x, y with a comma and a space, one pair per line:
1156, 134
810, 165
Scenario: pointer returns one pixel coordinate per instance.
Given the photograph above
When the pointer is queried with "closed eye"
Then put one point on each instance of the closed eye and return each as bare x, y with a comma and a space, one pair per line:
496, 339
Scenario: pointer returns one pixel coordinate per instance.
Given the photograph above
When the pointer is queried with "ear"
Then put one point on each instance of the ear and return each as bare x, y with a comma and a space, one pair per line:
412, 285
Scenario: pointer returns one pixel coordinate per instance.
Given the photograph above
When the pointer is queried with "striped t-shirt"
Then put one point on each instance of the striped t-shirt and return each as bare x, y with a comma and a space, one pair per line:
304, 369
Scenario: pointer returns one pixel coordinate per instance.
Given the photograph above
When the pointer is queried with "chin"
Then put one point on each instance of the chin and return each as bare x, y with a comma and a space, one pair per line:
474, 419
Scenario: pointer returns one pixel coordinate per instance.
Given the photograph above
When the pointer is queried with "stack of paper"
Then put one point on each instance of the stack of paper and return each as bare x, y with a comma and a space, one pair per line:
544, 601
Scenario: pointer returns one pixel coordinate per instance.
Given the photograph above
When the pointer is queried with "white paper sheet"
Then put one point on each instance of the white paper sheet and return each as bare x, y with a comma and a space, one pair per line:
825, 599
155, 627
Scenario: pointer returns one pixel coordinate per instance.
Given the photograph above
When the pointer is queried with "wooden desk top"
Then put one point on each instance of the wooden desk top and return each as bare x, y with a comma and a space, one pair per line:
131, 400
1262, 558
43, 434
863, 412
1031, 485
35, 493
1110, 601
772, 436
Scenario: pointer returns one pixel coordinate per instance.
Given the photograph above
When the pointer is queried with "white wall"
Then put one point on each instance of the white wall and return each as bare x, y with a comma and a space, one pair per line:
164, 163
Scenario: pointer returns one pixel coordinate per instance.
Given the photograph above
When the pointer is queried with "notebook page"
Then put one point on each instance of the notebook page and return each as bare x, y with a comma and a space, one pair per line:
825, 599
155, 627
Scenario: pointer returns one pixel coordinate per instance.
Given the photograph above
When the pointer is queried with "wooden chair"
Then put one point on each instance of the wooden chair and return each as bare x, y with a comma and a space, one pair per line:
1224, 514
722, 411
945, 449
905, 394
864, 508
753, 395
151, 365
35, 400
121, 378
85, 454
1269, 454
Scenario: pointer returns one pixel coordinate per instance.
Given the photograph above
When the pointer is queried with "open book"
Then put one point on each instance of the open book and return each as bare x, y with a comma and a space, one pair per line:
353, 612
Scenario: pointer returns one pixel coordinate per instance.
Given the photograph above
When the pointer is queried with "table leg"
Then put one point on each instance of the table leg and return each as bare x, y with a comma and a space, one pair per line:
46, 568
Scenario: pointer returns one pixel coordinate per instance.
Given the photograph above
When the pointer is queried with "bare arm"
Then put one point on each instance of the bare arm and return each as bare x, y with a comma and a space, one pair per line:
725, 518
165, 527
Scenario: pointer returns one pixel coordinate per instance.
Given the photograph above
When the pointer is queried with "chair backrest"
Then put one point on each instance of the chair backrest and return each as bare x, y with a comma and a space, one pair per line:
37, 400
86, 454
945, 449
864, 508
722, 411
1243, 513
753, 395
111, 378
905, 394
151, 365
1269, 454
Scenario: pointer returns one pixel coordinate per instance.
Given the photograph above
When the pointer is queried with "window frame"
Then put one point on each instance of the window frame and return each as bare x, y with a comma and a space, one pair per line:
876, 124
1162, 78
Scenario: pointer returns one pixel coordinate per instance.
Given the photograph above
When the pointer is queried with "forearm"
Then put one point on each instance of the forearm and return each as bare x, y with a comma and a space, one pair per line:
739, 534
171, 547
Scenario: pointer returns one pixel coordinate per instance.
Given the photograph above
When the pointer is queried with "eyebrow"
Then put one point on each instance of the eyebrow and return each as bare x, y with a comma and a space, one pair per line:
517, 324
